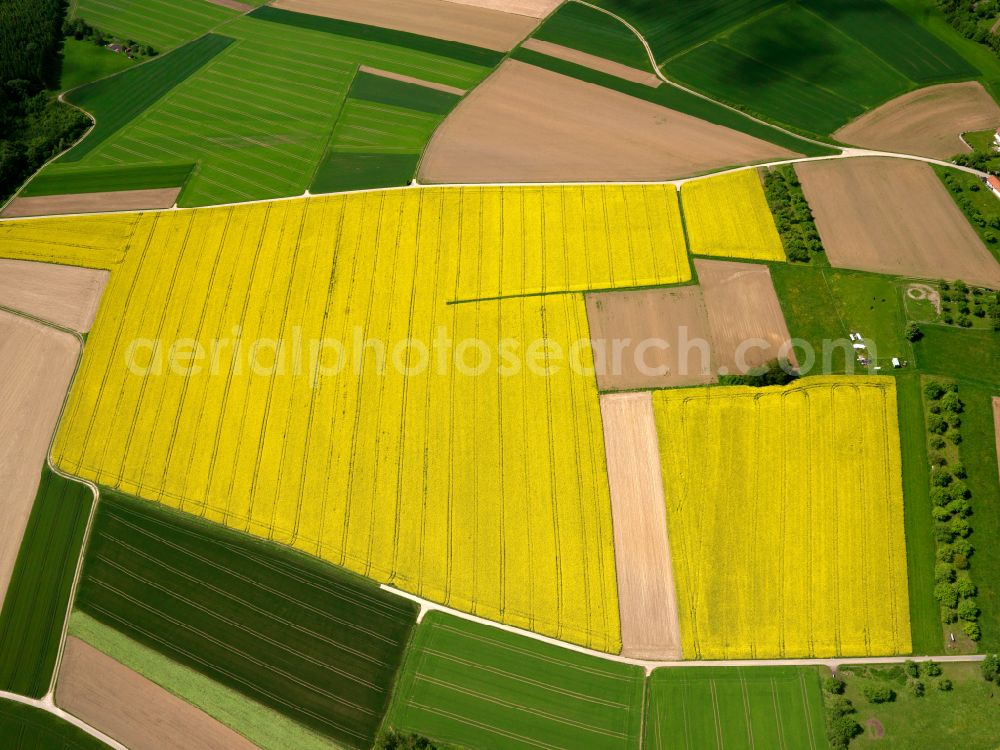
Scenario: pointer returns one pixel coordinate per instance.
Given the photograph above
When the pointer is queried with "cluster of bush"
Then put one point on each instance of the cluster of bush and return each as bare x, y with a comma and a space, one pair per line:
775, 372
959, 301
792, 215
80, 30
34, 125
393, 740
950, 497
841, 726
974, 19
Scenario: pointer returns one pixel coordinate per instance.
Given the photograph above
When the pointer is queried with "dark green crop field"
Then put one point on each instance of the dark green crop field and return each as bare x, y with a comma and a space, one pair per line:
583, 28
351, 171
27, 728
482, 687
58, 181
117, 101
312, 642
733, 707
34, 610
383, 90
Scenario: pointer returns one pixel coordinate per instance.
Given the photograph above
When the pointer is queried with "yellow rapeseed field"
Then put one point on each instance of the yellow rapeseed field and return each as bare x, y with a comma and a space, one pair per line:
785, 512
728, 216
483, 490
89, 241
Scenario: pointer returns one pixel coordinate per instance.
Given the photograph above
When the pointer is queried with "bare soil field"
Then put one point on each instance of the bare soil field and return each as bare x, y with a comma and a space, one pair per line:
926, 122
647, 599
456, 22
410, 79
526, 124
894, 216
85, 203
131, 709
640, 338
996, 422
532, 8
744, 315
593, 61
36, 366
65, 295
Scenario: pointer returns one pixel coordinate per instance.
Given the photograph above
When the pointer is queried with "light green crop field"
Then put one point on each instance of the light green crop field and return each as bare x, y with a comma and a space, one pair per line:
258, 116
161, 23
735, 708
477, 686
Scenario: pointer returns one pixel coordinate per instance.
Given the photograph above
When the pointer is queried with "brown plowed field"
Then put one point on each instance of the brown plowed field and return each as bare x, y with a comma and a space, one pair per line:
87, 203
456, 22
592, 61
647, 599
926, 122
743, 311
894, 216
526, 124
65, 295
651, 328
129, 708
36, 365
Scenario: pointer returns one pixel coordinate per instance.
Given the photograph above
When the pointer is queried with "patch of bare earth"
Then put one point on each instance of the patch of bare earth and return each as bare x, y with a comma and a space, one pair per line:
532, 8
894, 216
86, 203
647, 599
65, 295
526, 124
996, 422
593, 61
926, 122
410, 79
455, 22
36, 366
129, 708
747, 325
649, 338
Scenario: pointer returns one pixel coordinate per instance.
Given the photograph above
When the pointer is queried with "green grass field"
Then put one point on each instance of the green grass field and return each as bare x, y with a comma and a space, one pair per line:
812, 66
925, 618
477, 686
27, 728
309, 641
34, 610
759, 707
676, 99
967, 717
75, 180
260, 114
83, 62
162, 23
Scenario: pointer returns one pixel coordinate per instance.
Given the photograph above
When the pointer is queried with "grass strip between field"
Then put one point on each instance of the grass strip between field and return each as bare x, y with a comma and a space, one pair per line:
64, 181
263, 726
677, 99
28, 728
317, 644
115, 102
454, 50
35, 607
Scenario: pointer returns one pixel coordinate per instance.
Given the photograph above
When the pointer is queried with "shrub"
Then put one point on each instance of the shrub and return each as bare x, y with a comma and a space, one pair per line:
944, 573
393, 740
973, 630
965, 588
941, 496
959, 508
932, 669
954, 421
959, 471
917, 688
912, 332
944, 685
934, 390
963, 548
941, 513
840, 730
937, 442
967, 610
960, 490
943, 534
878, 693
945, 553
834, 685
911, 668
941, 477
960, 527
947, 597
990, 668
948, 616
936, 424
955, 437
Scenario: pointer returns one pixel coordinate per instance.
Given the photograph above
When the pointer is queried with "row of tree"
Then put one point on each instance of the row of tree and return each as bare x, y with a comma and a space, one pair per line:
792, 214
974, 19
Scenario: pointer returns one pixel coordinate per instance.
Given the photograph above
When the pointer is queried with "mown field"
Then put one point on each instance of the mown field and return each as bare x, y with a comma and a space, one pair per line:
728, 216
424, 490
34, 610
813, 65
785, 510
478, 686
162, 23
755, 707
261, 101
310, 642
27, 728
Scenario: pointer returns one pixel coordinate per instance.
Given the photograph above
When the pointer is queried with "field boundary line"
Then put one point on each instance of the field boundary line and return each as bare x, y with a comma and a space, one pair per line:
833, 662
46, 704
